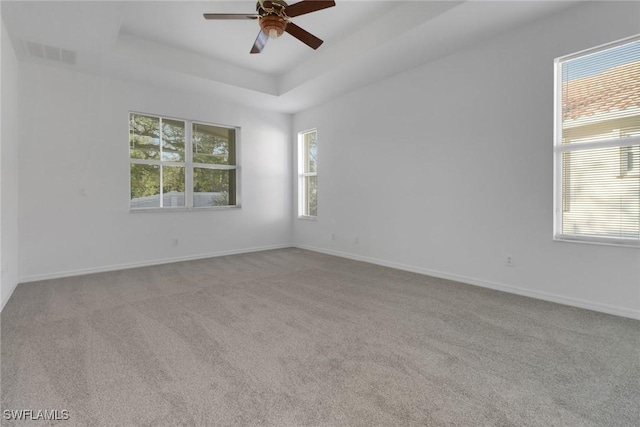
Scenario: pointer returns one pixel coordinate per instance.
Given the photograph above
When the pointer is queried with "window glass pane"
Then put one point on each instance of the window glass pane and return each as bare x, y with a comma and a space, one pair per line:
601, 197
310, 196
214, 187
601, 95
173, 186
310, 147
144, 137
145, 186
172, 140
214, 145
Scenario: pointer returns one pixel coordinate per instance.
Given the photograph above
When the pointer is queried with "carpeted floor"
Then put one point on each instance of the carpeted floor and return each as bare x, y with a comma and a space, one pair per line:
295, 338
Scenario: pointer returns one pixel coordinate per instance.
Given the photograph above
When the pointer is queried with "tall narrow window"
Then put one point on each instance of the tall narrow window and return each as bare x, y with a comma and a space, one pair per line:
308, 174
597, 144
176, 163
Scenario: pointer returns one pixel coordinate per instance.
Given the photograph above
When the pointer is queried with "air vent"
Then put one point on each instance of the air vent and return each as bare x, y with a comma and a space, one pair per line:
51, 53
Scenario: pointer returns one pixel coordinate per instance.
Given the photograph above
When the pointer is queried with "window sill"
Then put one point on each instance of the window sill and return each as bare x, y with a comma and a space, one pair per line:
598, 241
182, 209
308, 218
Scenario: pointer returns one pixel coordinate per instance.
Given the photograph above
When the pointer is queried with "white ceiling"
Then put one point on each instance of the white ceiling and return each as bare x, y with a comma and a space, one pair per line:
231, 40
170, 43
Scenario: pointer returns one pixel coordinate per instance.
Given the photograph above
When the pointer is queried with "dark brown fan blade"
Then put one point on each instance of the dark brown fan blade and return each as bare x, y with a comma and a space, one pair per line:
229, 16
307, 6
261, 40
303, 35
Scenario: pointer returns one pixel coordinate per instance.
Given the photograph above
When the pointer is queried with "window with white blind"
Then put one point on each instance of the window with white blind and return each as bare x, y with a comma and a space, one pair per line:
597, 145
308, 174
181, 164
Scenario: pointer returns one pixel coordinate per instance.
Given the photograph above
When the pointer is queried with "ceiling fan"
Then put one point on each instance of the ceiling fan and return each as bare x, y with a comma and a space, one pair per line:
273, 17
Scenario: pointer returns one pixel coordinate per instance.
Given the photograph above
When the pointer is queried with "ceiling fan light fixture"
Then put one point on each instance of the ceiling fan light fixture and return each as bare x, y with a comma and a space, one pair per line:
273, 25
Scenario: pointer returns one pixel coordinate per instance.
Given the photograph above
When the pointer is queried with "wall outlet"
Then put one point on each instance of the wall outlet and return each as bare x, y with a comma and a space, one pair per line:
175, 241
509, 261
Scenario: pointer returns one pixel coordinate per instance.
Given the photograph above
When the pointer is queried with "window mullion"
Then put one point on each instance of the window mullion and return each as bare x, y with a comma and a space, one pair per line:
188, 173
213, 166
161, 166
145, 162
592, 145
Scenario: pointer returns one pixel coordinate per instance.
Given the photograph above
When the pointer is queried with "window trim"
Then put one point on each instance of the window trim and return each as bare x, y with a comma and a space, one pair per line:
302, 175
559, 148
189, 165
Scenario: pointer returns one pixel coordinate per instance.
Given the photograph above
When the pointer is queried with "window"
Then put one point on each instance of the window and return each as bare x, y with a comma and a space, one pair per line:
178, 163
308, 174
597, 145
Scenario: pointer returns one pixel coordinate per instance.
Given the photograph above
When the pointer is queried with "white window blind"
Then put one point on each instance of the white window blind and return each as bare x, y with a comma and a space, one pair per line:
597, 144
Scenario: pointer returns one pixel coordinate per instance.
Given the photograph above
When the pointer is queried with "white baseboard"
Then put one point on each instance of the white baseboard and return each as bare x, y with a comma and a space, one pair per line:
5, 298
115, 267
574, 302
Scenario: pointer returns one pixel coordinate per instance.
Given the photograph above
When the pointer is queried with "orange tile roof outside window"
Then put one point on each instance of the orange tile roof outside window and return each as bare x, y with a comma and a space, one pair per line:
614, 90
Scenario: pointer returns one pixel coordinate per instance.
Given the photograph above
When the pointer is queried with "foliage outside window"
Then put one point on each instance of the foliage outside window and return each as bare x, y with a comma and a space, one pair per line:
597, 145
308, 174
176, 163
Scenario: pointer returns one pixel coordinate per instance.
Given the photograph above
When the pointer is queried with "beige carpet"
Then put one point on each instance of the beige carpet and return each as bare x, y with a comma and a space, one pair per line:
294, 338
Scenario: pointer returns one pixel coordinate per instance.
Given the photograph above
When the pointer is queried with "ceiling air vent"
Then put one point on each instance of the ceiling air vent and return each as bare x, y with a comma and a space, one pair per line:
51, 53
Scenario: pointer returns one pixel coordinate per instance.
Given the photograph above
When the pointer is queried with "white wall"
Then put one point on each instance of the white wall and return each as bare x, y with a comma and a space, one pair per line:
74, 177
447, 169
8, 171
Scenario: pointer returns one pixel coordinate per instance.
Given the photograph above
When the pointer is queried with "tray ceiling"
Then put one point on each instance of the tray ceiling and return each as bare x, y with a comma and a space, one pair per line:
170, 43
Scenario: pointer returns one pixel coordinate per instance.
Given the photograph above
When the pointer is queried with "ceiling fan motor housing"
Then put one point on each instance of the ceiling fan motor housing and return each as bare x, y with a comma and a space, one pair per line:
272, 18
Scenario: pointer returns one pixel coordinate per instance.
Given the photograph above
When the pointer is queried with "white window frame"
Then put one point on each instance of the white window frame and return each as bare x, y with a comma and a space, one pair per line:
559, 148
302, 188
189, 166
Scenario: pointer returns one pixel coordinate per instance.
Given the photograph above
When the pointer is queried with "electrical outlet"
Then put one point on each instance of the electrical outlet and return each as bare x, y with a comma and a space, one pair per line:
175, 241
509, 261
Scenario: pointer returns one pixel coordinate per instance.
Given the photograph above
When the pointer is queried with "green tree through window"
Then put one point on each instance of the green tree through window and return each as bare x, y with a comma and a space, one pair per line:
169, 171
